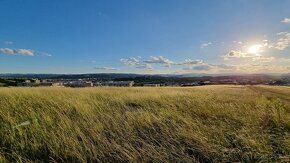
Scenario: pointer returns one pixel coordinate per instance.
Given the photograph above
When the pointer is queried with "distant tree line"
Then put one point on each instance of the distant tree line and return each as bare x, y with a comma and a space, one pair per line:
10, 82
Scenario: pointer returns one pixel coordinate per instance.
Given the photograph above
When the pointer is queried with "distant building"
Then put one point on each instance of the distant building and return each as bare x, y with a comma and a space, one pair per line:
189, 84
23, 84
35, 81
46, 84
98, 84
26, 83
224, 81
57, 84
79, 84
152, 85
118, 84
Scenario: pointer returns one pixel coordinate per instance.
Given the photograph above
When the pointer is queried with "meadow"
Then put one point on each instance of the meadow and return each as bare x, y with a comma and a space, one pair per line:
196, 124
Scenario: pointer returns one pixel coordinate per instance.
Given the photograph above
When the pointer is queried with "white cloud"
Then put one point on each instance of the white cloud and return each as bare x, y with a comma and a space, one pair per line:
256, 63
190, 62
224, 67
286, 20
130, 61
263, 59
238, 42
106, 68
205, 44
253, 52
281, 33
145, 66
25, 52
206, 67
254, 57
159, 60
194, 65
262, 68
43, 54
259, 67
283, 42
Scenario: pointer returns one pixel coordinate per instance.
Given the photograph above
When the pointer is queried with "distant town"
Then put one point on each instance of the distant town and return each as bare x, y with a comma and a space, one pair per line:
133, 80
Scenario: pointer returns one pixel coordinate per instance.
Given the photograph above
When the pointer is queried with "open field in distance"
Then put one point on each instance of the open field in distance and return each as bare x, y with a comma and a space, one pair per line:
198, 124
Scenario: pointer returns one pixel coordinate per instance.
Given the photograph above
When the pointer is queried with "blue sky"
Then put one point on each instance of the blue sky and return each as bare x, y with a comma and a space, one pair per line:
145, 36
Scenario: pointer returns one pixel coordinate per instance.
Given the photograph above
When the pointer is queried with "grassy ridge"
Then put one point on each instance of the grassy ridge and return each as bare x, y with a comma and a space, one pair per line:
200, 124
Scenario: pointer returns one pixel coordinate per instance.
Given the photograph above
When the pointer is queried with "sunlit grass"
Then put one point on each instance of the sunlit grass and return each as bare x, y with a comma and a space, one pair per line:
200, 124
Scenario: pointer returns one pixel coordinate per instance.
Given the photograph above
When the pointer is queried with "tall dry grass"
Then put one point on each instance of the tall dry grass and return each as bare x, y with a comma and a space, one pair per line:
200, 124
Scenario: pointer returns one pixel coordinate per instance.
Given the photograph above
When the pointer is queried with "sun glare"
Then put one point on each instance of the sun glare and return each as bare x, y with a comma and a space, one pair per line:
255, 49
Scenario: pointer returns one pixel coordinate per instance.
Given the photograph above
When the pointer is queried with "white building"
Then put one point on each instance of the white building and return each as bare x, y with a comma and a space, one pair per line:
115, 84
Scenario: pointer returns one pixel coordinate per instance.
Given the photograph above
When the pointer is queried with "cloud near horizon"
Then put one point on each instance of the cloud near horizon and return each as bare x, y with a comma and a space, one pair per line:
190, 62
204, 67
187, 64
247, 58
159, 60
130, 61
145, 66
106, 68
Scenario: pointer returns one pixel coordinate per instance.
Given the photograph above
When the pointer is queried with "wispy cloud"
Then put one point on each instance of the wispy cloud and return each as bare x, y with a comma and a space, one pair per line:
25, 52
205, 45
199, 68
283, 42
263, 59
43, 54
206, 67
8, 42
106, 68
262, 68
281, 33
190, 62
259, 67
159, 60
254, 57
253, 52
238, 42
145, 66
130, 61
286, 20
223, 66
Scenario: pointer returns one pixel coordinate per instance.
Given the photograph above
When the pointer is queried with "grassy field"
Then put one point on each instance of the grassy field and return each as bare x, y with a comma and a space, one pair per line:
199, 124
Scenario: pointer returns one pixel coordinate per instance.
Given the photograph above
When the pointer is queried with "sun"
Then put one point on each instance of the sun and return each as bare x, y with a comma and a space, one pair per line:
255, 49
